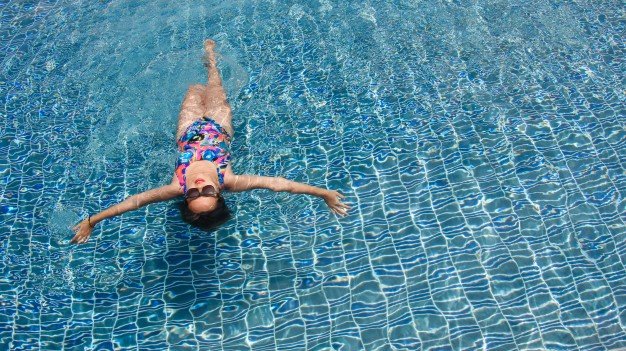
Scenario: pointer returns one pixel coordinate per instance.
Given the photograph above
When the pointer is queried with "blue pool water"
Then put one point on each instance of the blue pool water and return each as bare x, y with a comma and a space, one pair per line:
481, 143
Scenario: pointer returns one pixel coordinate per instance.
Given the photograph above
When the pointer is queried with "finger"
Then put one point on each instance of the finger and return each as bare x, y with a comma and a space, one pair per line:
341, 196
340, 211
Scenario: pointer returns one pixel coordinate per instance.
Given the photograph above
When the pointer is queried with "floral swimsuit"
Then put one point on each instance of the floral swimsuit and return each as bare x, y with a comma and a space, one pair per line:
206, 140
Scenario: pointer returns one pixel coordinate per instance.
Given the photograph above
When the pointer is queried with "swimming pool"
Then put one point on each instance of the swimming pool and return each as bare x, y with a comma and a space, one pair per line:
481, 143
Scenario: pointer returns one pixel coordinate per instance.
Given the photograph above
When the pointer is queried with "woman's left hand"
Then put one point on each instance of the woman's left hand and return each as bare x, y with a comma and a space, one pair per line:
83, 231
333, 200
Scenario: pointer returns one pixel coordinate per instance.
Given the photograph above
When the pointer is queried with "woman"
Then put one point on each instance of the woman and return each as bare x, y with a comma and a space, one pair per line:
202, 168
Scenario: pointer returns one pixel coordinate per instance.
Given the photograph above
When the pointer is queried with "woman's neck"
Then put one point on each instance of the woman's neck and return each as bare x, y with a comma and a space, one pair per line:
204, 169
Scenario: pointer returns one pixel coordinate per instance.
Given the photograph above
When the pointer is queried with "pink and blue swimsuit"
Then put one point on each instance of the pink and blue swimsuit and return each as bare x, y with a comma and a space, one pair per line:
204, 139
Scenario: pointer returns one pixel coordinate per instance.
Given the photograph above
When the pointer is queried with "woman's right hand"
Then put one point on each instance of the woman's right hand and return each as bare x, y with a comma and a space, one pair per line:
333, 200
83, 231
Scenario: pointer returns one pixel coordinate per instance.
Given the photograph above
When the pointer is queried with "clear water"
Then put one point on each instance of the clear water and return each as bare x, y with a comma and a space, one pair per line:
481, 143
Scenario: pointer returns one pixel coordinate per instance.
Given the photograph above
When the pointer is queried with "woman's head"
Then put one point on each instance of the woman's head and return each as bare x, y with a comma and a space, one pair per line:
202, 188
200, 200
205, 214
203, 205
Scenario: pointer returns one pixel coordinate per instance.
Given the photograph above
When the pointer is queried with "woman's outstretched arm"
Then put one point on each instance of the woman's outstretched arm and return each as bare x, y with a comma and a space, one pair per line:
84, 228
248, 182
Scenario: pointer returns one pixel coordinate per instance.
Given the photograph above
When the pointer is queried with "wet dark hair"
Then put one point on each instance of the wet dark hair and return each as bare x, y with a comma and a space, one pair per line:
206, 220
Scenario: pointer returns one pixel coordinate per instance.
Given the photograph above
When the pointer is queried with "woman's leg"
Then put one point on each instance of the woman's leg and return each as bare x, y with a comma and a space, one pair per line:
193, 108
217, 106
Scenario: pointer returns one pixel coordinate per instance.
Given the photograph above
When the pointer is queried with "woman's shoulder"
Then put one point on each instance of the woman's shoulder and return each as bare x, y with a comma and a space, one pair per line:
175, 185
229, 178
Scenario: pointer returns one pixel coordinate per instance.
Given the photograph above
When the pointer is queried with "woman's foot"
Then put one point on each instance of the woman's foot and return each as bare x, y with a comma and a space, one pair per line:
209, 45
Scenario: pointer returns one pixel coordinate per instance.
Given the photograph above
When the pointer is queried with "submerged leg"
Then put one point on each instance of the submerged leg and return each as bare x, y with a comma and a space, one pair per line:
193, 107
217, 106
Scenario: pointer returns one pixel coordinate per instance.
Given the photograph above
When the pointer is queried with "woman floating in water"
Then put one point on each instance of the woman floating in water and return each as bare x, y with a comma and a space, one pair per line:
202, 168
